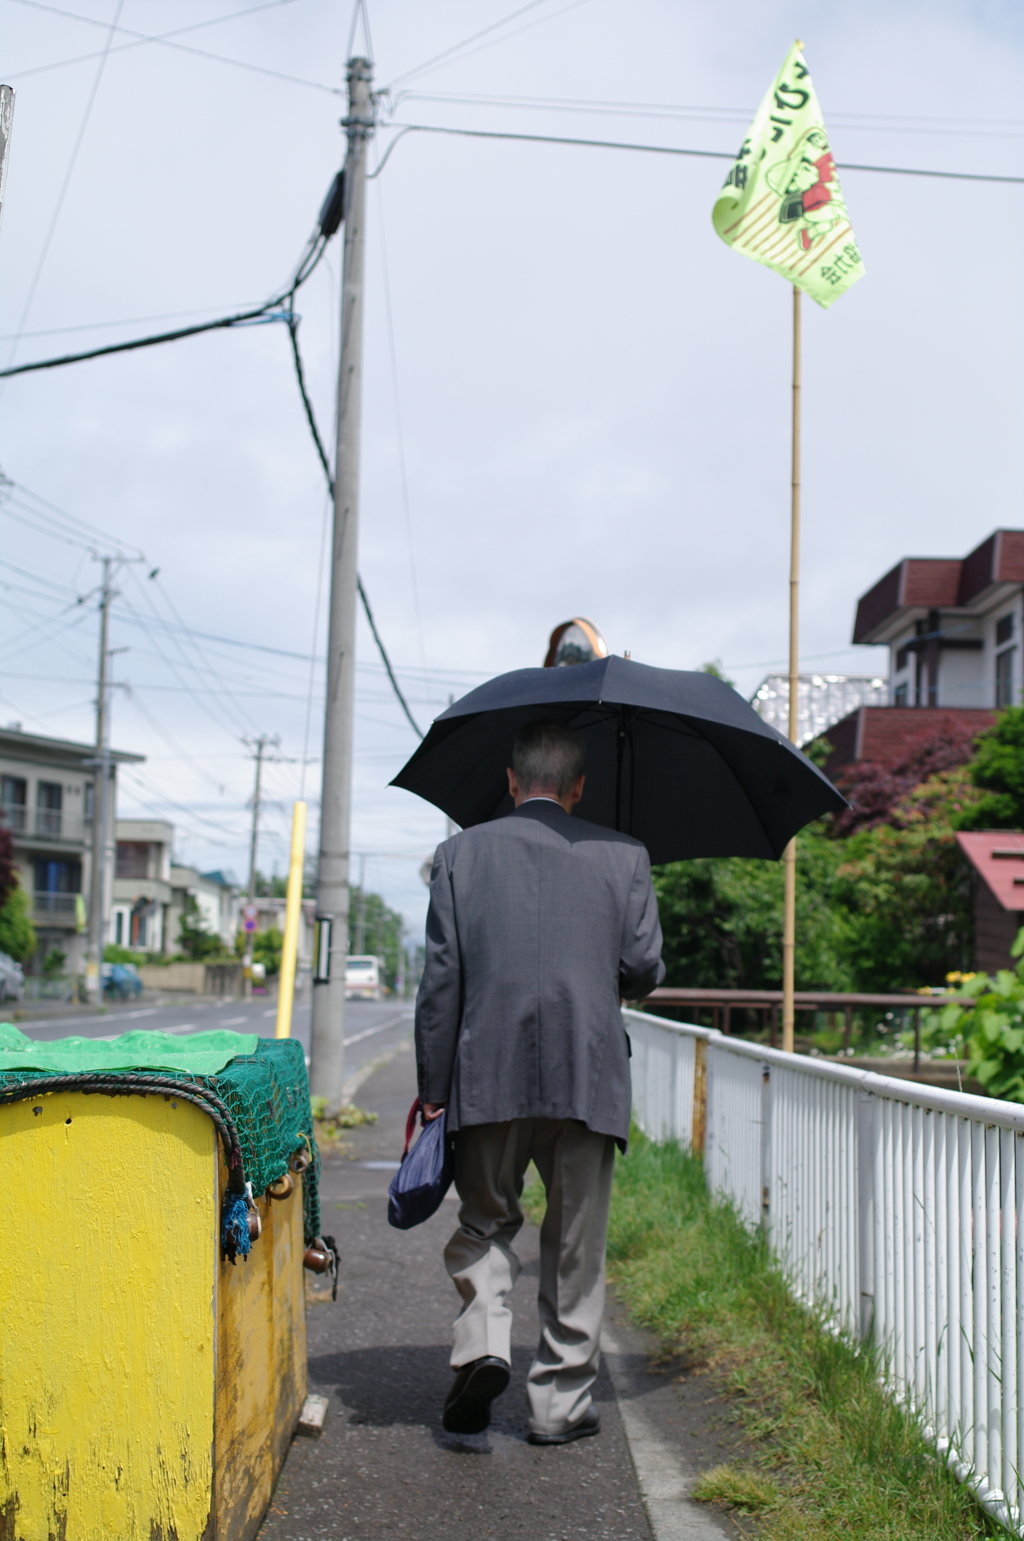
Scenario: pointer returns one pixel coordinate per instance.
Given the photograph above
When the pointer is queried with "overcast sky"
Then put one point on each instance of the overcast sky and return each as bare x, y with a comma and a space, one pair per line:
584, 391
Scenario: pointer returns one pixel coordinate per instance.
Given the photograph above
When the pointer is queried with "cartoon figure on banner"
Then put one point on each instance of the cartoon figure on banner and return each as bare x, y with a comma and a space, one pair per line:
807, 184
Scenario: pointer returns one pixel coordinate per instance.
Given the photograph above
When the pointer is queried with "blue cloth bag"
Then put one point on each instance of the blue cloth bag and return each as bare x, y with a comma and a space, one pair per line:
425, 1174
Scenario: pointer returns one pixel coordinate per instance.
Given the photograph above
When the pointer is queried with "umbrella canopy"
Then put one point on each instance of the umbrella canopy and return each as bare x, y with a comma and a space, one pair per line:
677, 759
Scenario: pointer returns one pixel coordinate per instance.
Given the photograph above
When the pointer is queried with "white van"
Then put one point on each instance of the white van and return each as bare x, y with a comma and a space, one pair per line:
363, 981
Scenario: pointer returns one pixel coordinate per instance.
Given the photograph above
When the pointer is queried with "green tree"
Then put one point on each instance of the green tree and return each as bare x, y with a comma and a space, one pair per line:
195, 938
17, 933
998, 770
907, 891
272, 887
722, 920
266, 949
382, 931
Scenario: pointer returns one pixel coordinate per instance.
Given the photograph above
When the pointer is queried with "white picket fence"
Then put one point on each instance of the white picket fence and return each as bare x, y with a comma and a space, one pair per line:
896, 1210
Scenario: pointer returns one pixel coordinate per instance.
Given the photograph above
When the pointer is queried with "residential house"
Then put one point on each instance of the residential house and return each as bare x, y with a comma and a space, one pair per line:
217, 897
997, 856
270, 916
954, 629
47, 789
142, 892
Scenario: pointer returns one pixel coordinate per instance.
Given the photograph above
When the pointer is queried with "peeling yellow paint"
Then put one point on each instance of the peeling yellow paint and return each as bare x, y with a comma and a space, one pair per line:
261, 1367
148, 1391
106, 1318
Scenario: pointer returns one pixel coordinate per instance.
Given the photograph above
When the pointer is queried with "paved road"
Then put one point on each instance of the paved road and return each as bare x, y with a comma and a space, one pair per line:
372, 1028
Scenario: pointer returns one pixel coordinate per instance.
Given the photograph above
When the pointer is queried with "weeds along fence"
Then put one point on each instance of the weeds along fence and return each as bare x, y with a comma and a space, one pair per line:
895, 1210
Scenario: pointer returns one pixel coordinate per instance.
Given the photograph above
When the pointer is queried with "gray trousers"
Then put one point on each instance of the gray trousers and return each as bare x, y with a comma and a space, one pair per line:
576, 1168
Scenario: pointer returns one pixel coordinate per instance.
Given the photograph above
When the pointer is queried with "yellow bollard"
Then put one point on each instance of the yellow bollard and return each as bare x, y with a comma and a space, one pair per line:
292, 916
147, 1389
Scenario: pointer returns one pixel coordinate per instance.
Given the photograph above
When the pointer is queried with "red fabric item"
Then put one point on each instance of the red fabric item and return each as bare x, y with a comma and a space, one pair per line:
410, 1125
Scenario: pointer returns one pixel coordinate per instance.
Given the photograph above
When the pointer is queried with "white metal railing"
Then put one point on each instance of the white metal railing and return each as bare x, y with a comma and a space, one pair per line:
895, 1209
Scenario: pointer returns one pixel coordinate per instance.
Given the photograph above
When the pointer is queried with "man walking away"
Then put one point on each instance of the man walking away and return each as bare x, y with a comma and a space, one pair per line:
539, 924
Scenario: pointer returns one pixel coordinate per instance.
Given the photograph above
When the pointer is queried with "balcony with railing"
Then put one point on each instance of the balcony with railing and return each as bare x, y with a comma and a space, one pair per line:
43, 823
54, 909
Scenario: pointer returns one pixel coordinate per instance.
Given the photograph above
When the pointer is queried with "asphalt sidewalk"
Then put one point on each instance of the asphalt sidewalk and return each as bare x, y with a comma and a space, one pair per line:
384, 1470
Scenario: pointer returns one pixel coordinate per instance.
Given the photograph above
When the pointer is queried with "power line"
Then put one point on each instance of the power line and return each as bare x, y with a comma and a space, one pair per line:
216, 717
259, 313
100, 326
689, 113
63, 528
325, 463
142, 38
204, 663
67, 176
398, 425
660, 149
456, 47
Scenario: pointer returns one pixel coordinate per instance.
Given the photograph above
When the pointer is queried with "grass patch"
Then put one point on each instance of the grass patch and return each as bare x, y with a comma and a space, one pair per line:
834, 1457
738, 1487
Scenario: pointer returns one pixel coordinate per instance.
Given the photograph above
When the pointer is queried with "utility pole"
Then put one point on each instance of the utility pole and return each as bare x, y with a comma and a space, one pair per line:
259, 747
100, 802
327, 1051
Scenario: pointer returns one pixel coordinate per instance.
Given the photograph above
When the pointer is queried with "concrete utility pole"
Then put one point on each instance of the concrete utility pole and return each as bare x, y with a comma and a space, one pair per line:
259, 747
327, 1051
100, 800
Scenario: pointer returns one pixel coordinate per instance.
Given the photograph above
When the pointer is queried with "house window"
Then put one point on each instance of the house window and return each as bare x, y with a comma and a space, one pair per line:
119, 927
1004, 629
89, 802
900, 695
49, 801
902, 659
13, 797
132, 859
57, 883
1004, 675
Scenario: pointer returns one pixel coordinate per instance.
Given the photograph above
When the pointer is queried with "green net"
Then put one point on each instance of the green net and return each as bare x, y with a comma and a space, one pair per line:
266, 1094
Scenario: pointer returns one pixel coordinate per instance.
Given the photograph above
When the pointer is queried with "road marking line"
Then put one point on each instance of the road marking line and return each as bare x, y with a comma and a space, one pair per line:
371, 1032
363, 1074
232, 1021
272, 1013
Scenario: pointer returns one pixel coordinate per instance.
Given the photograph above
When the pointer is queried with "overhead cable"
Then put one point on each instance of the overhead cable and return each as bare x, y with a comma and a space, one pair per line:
270, 310
661, 149
293, 332
457, 47
69, 172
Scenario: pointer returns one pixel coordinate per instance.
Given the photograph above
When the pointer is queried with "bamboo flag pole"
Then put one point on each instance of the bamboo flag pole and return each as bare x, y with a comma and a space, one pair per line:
789, 855
782, 205
292, 916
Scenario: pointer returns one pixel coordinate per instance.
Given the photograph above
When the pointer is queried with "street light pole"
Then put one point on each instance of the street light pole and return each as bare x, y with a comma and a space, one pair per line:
327, 1051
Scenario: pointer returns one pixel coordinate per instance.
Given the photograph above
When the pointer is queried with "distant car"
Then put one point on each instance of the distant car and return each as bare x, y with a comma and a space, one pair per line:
363, 979
12, 980
121, 981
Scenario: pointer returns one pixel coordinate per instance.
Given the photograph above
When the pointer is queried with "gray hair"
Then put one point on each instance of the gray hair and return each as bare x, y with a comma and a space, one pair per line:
548, 756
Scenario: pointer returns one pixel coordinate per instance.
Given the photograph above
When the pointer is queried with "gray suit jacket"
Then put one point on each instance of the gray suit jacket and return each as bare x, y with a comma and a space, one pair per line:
538, 922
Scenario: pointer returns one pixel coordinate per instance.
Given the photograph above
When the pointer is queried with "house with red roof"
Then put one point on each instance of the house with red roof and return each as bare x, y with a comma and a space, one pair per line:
954, 627
997, 856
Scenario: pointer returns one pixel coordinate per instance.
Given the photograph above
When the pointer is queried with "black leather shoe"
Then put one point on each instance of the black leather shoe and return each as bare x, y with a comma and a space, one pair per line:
467, 1408
590, 1423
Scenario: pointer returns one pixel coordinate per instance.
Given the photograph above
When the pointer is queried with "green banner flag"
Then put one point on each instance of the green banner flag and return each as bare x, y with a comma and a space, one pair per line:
781, 202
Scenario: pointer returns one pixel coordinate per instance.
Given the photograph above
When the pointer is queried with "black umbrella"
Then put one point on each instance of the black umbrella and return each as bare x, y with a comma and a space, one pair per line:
677, 759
